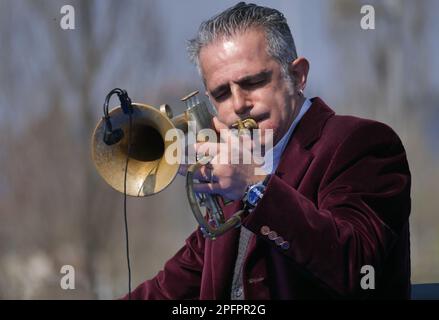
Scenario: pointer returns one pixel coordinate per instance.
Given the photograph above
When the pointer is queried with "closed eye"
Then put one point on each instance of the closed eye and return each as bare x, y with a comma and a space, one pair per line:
253, 84
255, 81
222, 95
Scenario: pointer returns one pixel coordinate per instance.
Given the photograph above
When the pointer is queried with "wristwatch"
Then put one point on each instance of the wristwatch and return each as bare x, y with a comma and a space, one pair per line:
254, 193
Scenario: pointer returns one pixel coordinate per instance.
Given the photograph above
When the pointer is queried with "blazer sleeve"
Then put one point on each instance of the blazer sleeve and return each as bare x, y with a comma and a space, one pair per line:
181, 276
363, 204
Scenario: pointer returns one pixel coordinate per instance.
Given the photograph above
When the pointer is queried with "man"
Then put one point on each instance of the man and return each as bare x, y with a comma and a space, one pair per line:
334, 203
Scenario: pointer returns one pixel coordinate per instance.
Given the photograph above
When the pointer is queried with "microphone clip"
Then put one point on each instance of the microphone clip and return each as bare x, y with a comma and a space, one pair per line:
114, 136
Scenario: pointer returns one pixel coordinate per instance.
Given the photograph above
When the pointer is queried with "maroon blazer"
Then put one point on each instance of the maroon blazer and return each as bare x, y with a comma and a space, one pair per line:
339, 200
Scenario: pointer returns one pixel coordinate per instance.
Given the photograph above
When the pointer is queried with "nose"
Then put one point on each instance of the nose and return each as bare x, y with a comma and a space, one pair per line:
241, 103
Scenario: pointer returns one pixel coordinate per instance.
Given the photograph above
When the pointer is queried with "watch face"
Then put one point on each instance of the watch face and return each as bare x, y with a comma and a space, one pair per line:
255, 194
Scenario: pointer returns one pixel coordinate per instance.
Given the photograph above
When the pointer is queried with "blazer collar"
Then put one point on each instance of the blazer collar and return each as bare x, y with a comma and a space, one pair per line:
310, 128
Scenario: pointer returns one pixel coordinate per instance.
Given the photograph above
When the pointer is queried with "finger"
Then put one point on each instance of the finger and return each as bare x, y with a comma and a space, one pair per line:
210, 188
246, 140
182, 170
206, 148
222, 129
205, 174
228, 136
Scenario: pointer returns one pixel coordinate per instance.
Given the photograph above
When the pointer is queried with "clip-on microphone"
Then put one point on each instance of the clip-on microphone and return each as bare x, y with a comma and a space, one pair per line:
114, 136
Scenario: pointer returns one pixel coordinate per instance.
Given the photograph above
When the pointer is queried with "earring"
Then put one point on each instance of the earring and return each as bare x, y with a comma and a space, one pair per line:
300, 93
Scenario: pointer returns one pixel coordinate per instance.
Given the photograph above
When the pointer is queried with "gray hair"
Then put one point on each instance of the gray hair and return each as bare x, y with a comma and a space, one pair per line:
240, 18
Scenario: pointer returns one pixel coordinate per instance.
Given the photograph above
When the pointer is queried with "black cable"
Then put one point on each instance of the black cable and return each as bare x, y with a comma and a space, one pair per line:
107, 99
125, 208
114, 136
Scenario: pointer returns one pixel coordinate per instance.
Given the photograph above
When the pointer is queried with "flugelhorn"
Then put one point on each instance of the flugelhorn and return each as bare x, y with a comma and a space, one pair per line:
140, 148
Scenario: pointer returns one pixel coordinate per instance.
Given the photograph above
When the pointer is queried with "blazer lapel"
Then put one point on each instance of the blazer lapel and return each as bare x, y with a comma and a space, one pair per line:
296, 157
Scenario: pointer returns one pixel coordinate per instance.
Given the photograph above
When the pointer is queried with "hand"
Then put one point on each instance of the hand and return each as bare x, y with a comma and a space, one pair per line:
233, 165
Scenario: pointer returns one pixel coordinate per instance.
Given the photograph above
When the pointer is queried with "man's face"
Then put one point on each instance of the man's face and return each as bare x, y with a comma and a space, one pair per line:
243, 80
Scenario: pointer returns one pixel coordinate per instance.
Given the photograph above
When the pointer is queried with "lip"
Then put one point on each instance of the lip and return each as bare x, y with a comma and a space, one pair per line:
258, 119
261, 118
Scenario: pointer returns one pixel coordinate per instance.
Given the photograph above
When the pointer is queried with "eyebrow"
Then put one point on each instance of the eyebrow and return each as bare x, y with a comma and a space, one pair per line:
265, 74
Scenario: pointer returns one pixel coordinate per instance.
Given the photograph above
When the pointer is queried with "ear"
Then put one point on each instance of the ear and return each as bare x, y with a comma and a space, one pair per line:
299, 69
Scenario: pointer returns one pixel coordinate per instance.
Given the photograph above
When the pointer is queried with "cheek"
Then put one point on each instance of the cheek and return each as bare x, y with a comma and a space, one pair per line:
273, 100
268, 132
273, 123
281, 109
269, 124
275, 116
223, 114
